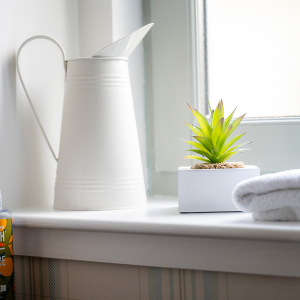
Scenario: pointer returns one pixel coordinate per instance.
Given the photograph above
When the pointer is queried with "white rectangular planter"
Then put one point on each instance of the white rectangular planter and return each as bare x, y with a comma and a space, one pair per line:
210, 190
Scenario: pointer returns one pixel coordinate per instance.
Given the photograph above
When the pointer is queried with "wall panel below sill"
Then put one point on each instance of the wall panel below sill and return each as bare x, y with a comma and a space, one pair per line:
212, 254
47, 278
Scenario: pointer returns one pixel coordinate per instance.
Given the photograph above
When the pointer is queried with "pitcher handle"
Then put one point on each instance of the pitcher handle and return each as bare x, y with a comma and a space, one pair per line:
22, 82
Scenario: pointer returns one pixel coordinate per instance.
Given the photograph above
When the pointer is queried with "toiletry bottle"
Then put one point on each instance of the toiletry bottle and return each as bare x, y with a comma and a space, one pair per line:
6, 255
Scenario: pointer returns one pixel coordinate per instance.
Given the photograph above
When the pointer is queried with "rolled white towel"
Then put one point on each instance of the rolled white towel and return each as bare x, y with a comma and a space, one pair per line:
270, 197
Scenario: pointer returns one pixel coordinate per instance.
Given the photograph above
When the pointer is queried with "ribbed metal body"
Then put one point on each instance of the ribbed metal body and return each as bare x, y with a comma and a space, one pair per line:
99, 164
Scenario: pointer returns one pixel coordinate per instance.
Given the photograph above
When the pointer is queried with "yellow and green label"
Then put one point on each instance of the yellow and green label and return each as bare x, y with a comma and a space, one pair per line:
6, 260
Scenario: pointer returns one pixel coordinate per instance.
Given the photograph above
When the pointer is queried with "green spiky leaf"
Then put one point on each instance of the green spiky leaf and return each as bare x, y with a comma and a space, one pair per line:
217, 131
222, 108
195, 130
197, 127
231, 149
211, 117
228, 120
231, 142
227, 153
201, 153
205, 142
236, 123
203, 124
191, 109
217, 115
198, 146
224, 158
222, 139
197, 157
211, 113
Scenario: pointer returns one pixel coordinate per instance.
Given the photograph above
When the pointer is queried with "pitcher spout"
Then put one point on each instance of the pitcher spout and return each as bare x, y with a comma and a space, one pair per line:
126, 45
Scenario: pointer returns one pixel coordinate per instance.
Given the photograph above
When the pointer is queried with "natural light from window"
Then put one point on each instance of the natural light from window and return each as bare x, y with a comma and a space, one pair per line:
253, 57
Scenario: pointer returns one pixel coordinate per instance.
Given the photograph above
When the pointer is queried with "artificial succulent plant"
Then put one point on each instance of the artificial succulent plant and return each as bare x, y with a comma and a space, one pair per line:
212, 136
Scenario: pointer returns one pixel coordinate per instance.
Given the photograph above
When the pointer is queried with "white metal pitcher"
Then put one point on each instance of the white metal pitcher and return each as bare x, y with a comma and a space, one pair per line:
99, 164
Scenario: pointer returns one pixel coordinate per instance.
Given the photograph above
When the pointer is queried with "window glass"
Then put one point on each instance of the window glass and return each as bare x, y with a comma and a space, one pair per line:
253, 57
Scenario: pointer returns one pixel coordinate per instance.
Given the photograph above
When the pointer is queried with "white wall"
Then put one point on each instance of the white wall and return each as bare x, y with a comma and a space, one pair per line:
27, 168
95, 25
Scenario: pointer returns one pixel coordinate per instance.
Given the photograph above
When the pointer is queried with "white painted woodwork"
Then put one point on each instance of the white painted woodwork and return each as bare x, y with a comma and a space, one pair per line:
275, 146
160, 236
170, 82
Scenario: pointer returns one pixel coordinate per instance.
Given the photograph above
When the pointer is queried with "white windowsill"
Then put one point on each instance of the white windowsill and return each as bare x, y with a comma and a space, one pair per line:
159, 236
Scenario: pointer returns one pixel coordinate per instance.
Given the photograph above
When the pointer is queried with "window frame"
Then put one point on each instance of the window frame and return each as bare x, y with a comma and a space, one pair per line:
162, 168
